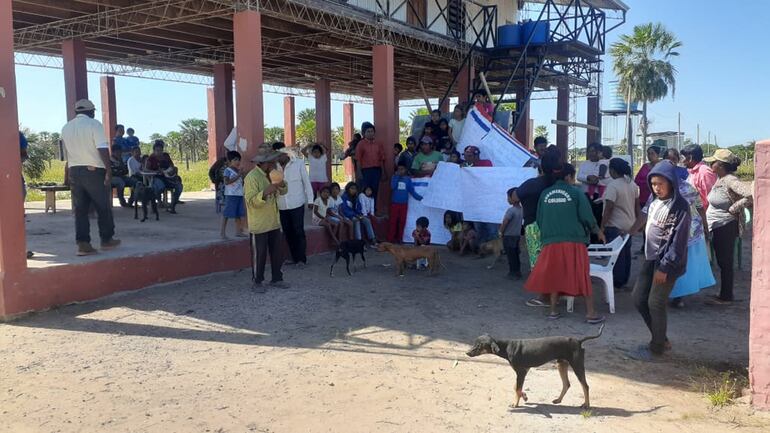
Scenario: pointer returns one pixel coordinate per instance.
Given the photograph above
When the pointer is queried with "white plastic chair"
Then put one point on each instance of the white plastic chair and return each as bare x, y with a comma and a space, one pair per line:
604, 272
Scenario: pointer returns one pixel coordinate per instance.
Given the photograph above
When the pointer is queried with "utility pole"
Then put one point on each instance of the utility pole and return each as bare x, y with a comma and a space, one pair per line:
679, 132
708, 144
697, 134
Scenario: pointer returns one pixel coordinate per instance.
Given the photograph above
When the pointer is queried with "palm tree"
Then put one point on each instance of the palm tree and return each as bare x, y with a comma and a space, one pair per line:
642, 64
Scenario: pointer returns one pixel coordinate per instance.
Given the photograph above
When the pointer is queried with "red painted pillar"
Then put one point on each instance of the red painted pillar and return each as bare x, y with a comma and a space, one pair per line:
562, 113
594, 117
323, 118
247, 39
109, 106
444, 105
384, 115
220, 110
759, 320
75, 73
522, 132
289, 122
13, 259
465, 83
347, 136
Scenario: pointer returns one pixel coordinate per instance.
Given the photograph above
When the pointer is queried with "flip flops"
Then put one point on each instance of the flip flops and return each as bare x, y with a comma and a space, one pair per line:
595, 320
553, 316
535, 302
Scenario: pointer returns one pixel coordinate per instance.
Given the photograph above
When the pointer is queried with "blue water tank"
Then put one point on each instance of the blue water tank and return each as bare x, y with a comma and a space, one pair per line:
509, 35
538, 30
618, 101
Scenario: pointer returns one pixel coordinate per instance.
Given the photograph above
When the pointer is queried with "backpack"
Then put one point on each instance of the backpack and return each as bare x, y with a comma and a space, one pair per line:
216, 172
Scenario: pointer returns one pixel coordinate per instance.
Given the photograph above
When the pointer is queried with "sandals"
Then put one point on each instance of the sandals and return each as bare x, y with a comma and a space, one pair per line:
553, 316
535, 302
595, 320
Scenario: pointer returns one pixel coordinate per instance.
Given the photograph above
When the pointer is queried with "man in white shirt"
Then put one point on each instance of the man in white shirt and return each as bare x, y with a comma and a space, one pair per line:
88, 175
291, 206
593, 179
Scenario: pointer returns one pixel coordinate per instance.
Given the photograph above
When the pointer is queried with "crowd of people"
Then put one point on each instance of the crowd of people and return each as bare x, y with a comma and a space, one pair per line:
686, 206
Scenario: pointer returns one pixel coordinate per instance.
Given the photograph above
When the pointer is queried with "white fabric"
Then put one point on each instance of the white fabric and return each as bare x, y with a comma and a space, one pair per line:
591, 168
235, 188
480, 193
367, 204
438, 233
318, 168
300, 192
232, 140
134, 166
83, 137
494, 143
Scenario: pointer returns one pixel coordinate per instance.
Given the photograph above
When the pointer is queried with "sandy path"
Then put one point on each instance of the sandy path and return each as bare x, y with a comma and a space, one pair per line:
372, 353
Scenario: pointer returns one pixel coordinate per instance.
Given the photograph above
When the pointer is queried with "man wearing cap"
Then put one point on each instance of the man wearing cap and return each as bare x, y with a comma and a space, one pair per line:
291, 206
261, 196
88, 159
702, 177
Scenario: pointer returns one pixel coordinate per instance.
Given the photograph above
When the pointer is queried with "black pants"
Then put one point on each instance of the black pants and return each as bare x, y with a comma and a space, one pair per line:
651, 301
622, 270
88, 189
511, 246
293, 225
372, 178
597, 209
261, 245
723, 239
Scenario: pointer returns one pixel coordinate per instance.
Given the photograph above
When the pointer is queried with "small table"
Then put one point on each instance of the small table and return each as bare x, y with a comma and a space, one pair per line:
50, 195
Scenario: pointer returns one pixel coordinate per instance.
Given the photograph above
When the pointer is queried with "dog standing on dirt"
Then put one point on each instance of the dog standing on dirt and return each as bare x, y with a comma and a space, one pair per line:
345, 250
525, 354
403, 255
492, 248
146, 195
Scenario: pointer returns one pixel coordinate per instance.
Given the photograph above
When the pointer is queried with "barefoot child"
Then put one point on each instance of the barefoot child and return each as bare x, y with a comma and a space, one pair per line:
235, 207
346, 226
453, 222
421, 236
510, 231
469, 239
325, 215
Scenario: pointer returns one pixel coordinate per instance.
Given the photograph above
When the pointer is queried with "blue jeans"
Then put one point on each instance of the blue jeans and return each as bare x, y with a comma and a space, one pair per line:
367, 223
159, 183
372, 178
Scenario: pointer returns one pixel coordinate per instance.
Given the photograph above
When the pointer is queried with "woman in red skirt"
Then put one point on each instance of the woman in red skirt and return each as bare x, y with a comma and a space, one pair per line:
566, 222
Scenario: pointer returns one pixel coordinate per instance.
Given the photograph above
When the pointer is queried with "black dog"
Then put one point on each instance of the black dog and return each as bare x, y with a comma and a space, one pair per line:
525, 354
346, 249
146, 195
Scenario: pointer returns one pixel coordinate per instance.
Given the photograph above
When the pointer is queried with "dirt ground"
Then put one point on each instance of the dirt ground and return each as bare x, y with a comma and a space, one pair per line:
368, 353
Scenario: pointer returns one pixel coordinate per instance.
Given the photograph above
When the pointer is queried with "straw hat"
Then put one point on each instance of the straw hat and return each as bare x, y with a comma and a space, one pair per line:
84, 105
723, 155
265, 153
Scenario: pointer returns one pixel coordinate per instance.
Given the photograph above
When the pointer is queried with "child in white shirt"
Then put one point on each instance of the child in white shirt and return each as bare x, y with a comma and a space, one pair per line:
317, 159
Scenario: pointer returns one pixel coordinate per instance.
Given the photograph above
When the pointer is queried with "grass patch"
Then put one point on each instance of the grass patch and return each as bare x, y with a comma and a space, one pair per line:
587, 414
721, 388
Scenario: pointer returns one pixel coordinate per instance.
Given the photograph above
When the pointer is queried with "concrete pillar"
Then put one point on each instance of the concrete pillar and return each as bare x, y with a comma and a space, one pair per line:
384, 115
522, 132
289, 122
109, 106
247, 40
220, 110
594, 117
347, 136
323, 118
759, 320
396, 103
13, 259
465, 84
562, 113
75, 73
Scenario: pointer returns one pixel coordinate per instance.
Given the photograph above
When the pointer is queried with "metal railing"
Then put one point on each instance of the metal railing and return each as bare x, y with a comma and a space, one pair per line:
576, 21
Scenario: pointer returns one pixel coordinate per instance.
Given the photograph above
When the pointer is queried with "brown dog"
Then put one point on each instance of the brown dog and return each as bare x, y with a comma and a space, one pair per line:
403, 255
493, 248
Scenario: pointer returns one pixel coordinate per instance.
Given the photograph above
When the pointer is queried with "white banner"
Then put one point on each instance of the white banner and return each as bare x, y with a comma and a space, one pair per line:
495, 144
480, 193
439, 234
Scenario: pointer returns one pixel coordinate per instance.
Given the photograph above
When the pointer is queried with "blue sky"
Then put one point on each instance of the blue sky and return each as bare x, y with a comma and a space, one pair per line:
722, 84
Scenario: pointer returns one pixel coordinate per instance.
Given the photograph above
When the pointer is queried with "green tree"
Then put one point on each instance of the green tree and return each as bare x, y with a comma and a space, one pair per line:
642, 64
541, 131
306, 126
194, 140
422, 111
40, 152
273, 134
404, 131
